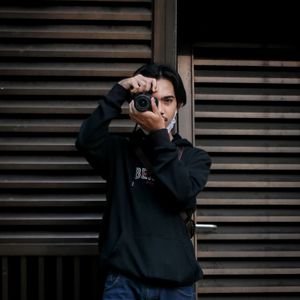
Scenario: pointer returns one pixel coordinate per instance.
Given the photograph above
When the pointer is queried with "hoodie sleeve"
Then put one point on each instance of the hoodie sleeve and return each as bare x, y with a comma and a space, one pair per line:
94, 140
183, 178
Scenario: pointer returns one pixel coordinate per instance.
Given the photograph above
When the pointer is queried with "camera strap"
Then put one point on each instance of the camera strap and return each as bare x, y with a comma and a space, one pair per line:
186, 216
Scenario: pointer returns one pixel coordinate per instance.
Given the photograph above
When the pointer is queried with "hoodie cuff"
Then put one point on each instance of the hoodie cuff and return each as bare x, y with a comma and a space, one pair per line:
159, 137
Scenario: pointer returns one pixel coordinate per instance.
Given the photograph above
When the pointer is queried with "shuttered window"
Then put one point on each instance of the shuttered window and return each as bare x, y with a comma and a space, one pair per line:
246, 115
56, 59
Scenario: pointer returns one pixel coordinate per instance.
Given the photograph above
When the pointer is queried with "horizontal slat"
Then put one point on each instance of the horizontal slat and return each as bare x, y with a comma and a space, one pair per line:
249, 211
53, 249
52, 182
57, 125
46, 237
261, 265
248, 254
43, 125
256, 90
75, 50
74, 88
251, 272
244, 264
248, 202
237, 145
247, 290
76, 13
246, 115
239, 124
248, 236
246, 219
253, 184
249, 132
255, 163
68, 69
268, 108
47, 106
237, 149
49, 200
246, 166
19, 144
266, 180
52, 107
246, 63
246, 97
43, 163
71, 32
240, 46
49, 219
246, 80
253, 195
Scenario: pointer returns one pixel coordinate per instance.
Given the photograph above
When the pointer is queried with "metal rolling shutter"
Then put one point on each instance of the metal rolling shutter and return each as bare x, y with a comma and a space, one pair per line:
56, 59
246, 115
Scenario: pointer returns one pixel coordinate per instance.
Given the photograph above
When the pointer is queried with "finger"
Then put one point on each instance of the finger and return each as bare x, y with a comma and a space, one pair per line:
154, 85
145, 83
134, 86
154, 106
148, 85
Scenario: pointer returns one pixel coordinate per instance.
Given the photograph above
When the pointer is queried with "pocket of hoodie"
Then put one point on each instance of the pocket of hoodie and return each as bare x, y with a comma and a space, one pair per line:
165, 258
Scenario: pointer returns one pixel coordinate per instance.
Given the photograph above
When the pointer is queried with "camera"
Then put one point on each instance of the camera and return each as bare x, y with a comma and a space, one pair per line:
142, 102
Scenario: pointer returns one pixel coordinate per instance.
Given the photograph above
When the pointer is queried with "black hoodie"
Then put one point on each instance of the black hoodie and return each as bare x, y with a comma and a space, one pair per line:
143, 235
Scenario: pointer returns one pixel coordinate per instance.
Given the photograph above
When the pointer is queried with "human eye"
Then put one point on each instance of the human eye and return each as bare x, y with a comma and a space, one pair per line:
168, 100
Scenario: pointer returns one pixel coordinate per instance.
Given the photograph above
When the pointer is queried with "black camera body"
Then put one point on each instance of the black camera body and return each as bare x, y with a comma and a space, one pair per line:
142, 102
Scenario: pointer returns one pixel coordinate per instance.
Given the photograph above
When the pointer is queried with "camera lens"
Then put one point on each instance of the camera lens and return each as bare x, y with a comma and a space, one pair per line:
142, 102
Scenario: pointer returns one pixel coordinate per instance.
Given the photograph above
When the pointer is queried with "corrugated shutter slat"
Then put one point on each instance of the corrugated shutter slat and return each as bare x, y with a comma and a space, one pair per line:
246, 115
56, 59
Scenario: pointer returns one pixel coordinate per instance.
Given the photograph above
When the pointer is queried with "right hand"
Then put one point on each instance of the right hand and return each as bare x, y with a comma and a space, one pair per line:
148, 120
139, 84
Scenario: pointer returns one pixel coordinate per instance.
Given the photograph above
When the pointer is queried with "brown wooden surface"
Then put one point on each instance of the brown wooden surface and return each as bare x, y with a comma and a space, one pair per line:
56, 59
247, 117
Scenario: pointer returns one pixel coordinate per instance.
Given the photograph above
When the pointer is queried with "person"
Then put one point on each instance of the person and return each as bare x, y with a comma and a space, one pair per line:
144, 243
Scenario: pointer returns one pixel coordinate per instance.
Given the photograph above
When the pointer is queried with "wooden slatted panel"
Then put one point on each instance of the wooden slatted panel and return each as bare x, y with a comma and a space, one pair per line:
56, 59
50, 277
246, 115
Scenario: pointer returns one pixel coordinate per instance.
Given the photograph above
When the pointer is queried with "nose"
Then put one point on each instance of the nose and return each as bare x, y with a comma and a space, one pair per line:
161, 107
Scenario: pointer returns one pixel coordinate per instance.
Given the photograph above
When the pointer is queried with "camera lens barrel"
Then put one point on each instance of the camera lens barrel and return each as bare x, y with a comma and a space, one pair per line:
142, 102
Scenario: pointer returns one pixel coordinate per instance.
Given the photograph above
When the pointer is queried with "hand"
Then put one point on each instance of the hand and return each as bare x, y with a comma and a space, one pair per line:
148, 120
139, 84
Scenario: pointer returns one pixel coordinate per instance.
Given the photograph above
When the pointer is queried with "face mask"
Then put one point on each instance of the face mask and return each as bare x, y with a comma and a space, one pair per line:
172, 123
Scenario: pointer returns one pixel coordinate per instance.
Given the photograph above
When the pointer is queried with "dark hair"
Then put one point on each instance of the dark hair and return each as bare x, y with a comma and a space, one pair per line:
159, 71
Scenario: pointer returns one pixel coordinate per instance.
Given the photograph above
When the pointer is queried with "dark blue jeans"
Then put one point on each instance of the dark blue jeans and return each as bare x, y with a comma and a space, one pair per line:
119, 287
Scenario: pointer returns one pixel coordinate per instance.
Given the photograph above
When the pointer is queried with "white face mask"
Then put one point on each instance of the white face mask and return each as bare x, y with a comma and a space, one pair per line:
172, 123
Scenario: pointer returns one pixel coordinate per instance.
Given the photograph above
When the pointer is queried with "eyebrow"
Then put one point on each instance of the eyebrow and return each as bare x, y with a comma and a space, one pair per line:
169, 96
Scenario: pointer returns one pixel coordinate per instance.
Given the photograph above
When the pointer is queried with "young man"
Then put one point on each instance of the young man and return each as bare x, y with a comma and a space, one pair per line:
152, 177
